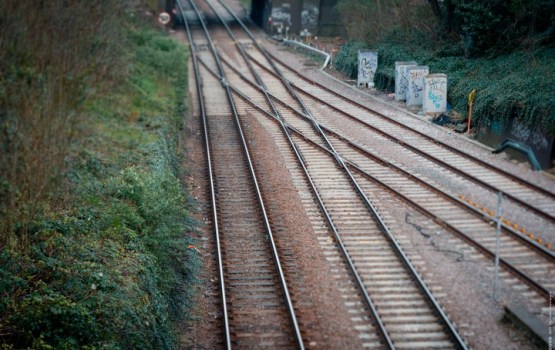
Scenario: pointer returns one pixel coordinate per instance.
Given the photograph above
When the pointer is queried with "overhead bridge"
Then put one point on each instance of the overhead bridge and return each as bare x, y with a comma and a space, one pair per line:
318, 17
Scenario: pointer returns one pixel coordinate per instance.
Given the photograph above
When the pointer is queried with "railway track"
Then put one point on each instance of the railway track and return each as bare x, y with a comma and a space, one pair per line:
256, 306
538, 200
525, 258
413, 318
336, 174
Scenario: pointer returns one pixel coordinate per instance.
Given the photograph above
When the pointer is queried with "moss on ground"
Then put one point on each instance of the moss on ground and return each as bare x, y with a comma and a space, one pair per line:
109, 267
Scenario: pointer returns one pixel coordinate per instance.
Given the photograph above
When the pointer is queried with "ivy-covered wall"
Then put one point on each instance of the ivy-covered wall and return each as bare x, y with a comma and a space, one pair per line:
518, 85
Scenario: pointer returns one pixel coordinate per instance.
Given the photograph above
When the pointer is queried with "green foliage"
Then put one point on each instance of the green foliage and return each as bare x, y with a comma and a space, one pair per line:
55, 55
482, 27
246, 4
504, 49
519, 84
346, 59
353, 13
481, 23
111, 268
369, 20
499, 26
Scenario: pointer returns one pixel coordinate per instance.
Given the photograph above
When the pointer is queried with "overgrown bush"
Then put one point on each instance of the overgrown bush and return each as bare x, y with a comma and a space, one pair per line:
499, 26
482, 27
104, 273
504, 49
346, 59
107, 264
55, 56
519, 84
370, 20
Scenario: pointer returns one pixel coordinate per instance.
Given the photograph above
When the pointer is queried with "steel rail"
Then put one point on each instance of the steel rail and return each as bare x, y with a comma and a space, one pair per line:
200, 97
333, 228
513, 233
259, 81
521, 181
424, 154
544, 292
278, 117
296, 328
320, 147
456, 170
395, 245
519, 274
464, 154
488, 253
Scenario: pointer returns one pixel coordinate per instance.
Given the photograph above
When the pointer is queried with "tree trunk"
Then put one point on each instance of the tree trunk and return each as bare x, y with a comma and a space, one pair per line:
435, 7
450, 21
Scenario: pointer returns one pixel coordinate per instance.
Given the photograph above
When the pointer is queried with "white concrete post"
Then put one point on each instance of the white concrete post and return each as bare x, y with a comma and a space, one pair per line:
435, 93
367, 66
401, 79
415, 88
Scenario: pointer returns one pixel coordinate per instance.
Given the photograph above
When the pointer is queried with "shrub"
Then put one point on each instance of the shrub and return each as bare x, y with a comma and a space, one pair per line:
519, 84
108, 266
46, 75
106, 272
499, 26
346, 59
370, 20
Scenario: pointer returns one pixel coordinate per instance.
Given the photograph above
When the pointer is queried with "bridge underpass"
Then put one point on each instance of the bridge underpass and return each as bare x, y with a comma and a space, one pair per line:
318, 17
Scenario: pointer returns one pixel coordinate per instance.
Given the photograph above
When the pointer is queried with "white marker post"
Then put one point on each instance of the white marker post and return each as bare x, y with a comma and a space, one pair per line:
415, 87
367, 66
435, 94
498, 234
401, 79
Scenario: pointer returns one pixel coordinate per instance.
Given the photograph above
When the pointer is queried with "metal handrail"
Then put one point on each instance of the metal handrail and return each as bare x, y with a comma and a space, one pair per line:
521, 148
310, 48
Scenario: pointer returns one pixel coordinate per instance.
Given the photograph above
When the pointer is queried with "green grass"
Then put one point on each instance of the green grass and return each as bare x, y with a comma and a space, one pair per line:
520, 84
111, 268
